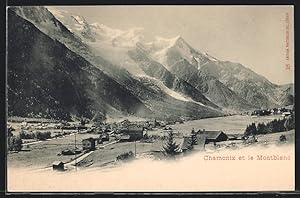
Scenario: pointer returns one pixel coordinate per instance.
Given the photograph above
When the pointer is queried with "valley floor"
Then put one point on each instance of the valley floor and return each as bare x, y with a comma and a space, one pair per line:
100, 172
41, 154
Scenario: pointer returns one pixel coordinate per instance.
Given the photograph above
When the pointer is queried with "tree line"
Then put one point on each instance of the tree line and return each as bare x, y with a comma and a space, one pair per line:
37, 135
276, 125
14, 142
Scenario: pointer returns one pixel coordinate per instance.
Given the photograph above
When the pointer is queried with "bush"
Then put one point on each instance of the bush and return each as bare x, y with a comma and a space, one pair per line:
126, 155
43, 135
26, 135
282, 138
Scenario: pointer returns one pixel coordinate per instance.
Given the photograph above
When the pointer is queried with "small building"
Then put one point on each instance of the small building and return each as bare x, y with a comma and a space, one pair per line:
285, 114
104, 137
213, 136
132, 134
67, 152
58, 165
89, 144
124, 138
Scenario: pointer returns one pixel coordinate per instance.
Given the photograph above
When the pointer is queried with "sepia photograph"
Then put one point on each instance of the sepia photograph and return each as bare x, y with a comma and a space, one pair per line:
150, 98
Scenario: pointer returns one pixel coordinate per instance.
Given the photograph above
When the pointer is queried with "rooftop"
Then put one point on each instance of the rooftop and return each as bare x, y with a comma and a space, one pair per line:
57, 163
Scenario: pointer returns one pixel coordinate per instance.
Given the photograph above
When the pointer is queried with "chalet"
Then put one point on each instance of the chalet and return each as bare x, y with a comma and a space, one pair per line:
213, 136
58, 165
131, 134
89, 144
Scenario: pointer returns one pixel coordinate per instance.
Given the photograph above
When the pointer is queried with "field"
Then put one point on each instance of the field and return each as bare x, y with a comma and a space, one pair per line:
108, 154
230, 124
42, 154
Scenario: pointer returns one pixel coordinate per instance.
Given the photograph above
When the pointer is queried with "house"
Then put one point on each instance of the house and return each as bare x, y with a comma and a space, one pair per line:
132, 134
285, 114
212, 136
89, 144
104, 137
124, 138
58, 165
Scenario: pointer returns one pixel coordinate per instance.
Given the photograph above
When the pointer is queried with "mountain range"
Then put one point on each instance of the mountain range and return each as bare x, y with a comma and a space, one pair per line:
60, 66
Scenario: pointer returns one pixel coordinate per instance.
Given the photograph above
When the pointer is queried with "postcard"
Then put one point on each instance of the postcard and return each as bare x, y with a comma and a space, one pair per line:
160, 98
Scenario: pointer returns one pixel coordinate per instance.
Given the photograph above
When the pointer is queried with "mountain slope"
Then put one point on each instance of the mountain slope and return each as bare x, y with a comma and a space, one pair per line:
183, 61
178, 56
286, 94
93, 85
248, 89
46, 77
114, 45
158, 71
244, 82
211, 87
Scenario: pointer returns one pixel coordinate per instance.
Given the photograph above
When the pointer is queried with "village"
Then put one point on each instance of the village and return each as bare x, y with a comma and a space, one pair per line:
284, 111
67, 146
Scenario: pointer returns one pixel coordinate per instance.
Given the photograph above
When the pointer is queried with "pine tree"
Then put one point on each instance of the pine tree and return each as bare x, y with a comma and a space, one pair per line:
261, 128
270, 127
170, 147
251, 130
192, 140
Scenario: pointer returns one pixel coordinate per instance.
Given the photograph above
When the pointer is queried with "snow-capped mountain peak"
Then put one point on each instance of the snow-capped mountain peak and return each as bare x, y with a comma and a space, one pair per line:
97, 32
161, 48
75, 23
161, 43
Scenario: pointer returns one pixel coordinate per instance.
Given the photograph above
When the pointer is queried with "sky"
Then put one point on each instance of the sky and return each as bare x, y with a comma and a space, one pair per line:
255, 36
